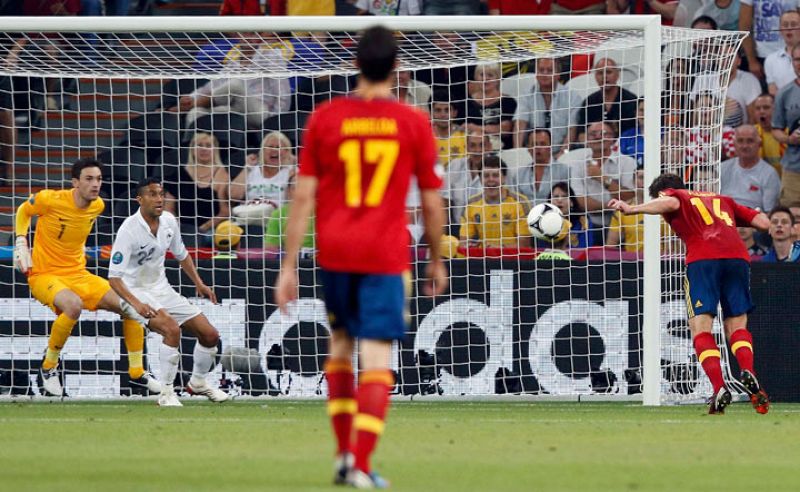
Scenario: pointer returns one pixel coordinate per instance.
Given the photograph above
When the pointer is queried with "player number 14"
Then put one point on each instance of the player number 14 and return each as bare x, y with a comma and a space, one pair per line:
718, 212
380, 152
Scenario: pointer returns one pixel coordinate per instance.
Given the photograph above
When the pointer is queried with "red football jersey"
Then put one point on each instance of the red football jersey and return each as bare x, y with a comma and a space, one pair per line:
707, 223
363, 154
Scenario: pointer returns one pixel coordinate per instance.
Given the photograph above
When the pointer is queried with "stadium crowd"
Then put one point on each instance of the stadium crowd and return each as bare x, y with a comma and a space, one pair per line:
567, 129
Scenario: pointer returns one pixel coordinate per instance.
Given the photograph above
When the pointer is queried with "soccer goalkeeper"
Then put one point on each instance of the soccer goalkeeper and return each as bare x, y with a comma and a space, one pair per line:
57, 273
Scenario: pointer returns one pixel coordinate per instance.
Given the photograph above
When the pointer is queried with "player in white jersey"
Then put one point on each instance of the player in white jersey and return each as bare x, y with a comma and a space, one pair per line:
137, 274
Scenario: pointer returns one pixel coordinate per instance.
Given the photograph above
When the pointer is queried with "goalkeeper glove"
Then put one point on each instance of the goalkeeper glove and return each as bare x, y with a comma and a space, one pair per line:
22, 255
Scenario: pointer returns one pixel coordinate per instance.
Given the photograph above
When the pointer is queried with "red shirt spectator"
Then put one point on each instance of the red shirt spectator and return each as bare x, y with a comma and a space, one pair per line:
240, 7
51, 7
519, 7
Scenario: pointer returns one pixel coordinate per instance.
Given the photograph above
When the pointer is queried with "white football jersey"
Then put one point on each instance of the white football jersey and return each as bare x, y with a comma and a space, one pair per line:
137, 256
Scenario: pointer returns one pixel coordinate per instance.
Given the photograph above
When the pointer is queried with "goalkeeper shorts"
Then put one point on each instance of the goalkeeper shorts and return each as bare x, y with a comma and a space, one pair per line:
89, 287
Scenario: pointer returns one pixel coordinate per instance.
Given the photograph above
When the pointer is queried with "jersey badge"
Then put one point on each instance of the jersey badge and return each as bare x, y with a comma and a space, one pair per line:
117, 258
698, 304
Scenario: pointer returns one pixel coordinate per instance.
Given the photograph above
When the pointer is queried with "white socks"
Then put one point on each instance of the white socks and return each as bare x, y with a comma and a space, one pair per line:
168, 358
203, 360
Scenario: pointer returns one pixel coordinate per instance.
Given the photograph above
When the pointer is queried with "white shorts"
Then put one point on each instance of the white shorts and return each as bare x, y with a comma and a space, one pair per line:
177, 306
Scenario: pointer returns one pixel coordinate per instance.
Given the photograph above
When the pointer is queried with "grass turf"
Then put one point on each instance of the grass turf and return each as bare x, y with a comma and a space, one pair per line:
439, 446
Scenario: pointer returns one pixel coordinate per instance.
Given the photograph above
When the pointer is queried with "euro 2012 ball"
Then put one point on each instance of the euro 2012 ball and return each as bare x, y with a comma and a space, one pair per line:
545, 221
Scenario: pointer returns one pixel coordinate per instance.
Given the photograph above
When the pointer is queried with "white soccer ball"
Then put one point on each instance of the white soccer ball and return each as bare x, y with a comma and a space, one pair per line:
545, 221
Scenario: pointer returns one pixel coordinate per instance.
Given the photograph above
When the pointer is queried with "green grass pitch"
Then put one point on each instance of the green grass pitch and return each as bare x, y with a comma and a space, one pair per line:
428, 446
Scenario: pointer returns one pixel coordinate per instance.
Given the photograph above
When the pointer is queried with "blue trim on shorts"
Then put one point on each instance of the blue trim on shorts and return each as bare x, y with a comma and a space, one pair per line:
368, 306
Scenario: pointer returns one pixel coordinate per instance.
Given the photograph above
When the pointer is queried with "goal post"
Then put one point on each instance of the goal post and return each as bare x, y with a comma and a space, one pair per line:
593, 326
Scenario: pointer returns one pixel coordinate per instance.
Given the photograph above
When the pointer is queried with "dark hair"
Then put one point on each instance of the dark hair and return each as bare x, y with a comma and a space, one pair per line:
442, 96
766, 94
534, 131
574, 206
85, 163
704, 19
493, 161
781, 208
376, 53
664, 182
145, 182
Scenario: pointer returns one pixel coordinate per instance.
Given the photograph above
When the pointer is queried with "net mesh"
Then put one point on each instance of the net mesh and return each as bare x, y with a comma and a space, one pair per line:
219, 117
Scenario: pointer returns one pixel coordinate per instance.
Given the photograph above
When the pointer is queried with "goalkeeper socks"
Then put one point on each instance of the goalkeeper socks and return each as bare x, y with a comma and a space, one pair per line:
342, 404
203, 360
59, 333
373, 402
133, 333
168, 358
708, 354
742, 347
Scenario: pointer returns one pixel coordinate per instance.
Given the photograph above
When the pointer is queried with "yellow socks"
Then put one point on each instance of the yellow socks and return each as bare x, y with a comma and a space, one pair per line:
133, 333
59, 333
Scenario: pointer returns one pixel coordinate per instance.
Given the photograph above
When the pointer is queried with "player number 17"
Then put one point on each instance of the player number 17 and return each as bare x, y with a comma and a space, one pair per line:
718, 212
380, 152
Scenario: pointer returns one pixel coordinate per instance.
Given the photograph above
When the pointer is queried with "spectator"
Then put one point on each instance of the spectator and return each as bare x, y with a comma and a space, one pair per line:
610, 103
743, 89
519, 7
754, 249
771, 150
267, 173
275, 236
256, 98
703, 136
302, 7
105, 7
562, 196
198, 192
535, 181
453, 7
628, 230
389, 7
497, 217
450, 138
796, 228
746, 178
665, 9
778, 64
547, 105
704, 22
488, 110
8, 132
578, 7
724, 12
241, 7
463, 177
786, 115
761, 18
412, 92
451, 79
597, 175
631, 142
676, 96
785, 249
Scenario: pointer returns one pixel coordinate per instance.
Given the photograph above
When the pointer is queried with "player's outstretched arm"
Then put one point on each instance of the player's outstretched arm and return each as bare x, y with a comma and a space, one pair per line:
761, 222
433, 216
118, 285
660, 205
187, 264
22, 251
299, 211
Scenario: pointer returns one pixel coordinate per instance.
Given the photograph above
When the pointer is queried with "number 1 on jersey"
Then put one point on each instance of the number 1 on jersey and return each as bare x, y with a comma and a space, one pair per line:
380, 152
718, 212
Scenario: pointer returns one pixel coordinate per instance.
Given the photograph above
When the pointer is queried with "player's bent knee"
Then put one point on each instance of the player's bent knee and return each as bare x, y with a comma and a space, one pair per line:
209, 338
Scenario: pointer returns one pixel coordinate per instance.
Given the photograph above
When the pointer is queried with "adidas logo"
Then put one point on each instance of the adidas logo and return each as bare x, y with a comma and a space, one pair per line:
698, 304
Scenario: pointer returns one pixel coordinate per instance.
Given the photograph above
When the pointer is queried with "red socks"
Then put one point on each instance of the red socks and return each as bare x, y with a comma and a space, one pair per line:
342, 404
708, 354
742, 347
373, 402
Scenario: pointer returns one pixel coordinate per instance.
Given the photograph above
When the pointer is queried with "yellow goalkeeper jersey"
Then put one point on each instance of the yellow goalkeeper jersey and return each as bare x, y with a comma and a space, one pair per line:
496, 224
61, 231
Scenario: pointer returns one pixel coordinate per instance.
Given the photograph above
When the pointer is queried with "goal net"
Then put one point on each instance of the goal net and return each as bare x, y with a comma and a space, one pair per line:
525, 111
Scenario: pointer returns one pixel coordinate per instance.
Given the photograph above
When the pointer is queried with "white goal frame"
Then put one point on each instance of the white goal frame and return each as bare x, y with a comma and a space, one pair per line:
649, 24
